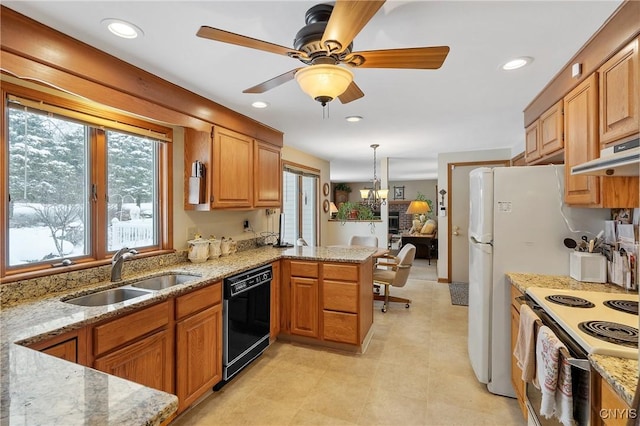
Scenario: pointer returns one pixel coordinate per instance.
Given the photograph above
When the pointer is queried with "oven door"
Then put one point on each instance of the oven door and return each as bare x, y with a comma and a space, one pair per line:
581, 380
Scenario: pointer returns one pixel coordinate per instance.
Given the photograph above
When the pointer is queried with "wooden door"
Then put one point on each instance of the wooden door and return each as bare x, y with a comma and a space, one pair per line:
66, 350
304, 306
267, 175
198, 355
232, 170
531, 151
148, 362
619, 86
581, 142
551, 130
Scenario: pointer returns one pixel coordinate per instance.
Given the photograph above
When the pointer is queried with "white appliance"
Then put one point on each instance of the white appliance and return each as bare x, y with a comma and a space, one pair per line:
586, 314
516, 224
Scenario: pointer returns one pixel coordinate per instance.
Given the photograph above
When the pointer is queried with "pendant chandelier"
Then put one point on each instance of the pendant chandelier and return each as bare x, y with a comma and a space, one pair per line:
375, 197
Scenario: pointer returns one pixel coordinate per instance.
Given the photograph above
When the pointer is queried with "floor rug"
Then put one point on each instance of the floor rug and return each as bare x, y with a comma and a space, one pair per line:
459, 293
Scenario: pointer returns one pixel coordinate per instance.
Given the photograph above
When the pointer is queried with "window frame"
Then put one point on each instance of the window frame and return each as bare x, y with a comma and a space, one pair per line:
98, 255
302, 171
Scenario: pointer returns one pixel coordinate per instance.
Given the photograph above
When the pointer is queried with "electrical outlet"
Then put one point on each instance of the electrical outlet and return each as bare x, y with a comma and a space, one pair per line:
245, 224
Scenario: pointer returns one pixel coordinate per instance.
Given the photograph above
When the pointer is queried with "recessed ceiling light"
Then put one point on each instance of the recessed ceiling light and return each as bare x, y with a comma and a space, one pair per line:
122, 28
353, 118
260, 104
516, 63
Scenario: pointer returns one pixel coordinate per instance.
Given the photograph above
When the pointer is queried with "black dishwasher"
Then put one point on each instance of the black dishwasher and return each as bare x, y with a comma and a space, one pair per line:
246, 316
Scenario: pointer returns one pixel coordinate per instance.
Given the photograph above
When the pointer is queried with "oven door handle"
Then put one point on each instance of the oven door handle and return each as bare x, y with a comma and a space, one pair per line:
582, 364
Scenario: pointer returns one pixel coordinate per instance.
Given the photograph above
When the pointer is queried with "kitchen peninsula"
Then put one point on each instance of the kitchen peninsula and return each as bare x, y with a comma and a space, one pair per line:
41, 389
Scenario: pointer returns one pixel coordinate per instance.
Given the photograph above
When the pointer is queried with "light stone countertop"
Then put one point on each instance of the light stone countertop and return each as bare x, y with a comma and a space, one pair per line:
620, 373
40, 389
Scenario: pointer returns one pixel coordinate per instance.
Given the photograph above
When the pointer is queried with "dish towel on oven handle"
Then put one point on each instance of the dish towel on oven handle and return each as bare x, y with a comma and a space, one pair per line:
525, 347
554, 377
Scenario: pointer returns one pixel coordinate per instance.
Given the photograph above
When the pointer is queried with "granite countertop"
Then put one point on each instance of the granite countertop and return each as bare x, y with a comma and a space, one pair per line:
41, 389
620, 373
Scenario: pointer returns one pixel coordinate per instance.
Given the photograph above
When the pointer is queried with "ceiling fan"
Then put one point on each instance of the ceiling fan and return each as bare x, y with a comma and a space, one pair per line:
327, 41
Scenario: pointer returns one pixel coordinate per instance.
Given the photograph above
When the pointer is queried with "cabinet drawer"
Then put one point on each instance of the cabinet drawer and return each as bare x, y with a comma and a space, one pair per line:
129, 327
198, 300
304, 269
340, 296
340, 327
341, 271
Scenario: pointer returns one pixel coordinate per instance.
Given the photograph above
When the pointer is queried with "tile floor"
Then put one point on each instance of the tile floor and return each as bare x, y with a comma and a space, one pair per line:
415, 372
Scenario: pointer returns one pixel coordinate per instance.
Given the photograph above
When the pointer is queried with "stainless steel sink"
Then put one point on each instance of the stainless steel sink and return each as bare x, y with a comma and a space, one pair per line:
164, 281
108, 297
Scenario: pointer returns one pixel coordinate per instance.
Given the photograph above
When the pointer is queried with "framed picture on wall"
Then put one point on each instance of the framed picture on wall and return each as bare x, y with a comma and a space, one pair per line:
398, 192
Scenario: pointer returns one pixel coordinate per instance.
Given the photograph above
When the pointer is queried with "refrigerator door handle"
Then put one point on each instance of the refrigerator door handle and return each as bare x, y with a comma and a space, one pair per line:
475, 241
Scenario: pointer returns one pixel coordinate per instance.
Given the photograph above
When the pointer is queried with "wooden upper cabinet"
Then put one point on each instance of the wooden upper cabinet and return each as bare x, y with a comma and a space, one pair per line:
240, 172
581, 142
551, 133
267, 175
544, 137
619, 93
531, 151
232, 169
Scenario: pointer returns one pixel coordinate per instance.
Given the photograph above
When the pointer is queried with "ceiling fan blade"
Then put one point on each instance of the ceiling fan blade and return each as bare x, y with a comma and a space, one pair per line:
240, 40
346, 21
352, 93
428, 58
272, 83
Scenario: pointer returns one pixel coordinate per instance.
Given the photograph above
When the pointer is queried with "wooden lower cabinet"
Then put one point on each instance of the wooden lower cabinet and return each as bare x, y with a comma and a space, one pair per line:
327, 301
607, 408
198, 355
68, 346
148, 361
275, 301
304, 306
516, 372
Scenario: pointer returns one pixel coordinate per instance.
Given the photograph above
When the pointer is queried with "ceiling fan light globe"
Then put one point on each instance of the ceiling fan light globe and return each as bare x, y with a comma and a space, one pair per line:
323, 82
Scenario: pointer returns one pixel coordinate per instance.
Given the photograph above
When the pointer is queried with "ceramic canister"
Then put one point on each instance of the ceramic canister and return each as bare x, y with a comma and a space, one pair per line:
198, 250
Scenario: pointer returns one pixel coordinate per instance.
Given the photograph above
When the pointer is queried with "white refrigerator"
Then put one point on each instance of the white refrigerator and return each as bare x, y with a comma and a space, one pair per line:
517, 223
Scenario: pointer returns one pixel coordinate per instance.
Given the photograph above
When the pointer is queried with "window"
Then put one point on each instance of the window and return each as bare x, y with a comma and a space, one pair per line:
80, 186
300, 205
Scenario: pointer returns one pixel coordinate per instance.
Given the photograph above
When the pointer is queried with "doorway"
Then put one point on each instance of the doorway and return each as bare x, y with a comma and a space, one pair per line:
458, 202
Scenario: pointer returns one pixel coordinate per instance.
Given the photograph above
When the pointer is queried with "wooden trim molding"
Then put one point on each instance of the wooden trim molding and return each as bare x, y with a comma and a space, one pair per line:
56, 59
621, 28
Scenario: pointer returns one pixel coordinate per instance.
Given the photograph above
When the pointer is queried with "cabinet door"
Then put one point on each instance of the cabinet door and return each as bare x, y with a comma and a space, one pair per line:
148, 361
275, 301
232, 169
551, 130
619, 79
267, 175
581, 142
531, 151
198, 355
66, 350
304, 306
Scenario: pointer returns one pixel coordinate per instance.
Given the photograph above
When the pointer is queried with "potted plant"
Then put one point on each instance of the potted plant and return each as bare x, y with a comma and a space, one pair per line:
347, 210
365, 212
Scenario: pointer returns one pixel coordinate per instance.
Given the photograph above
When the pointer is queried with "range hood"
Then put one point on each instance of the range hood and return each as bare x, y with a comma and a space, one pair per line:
621, 163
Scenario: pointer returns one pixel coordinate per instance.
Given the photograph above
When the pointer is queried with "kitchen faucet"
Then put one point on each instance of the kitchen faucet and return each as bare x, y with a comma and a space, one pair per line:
118, 260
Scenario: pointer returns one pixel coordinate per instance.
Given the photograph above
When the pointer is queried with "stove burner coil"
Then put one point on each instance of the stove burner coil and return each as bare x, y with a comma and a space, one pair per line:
573, 301
611, 332
628, 306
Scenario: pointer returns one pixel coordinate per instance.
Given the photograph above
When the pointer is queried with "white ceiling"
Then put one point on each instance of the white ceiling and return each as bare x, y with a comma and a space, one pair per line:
468, 104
